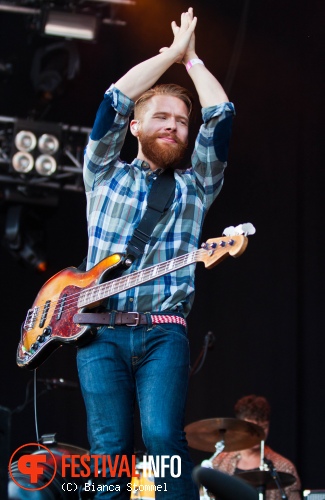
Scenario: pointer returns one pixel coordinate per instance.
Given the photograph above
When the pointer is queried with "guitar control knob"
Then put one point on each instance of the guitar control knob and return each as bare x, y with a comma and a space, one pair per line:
34, 346
40, 339
47, 331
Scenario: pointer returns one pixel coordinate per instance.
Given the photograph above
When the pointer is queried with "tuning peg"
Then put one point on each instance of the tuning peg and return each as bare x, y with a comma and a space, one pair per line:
245, 229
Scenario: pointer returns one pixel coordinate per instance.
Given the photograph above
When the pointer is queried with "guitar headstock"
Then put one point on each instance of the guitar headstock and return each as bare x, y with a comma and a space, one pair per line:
215, 250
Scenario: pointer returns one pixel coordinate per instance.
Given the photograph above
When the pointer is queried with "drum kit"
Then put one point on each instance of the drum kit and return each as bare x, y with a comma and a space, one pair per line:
210, 435
231, 434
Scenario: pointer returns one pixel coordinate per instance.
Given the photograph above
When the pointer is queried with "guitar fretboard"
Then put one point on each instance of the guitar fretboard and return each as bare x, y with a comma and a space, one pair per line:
104, 290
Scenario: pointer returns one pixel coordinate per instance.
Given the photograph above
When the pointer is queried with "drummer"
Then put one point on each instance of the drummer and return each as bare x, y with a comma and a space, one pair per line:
256, 409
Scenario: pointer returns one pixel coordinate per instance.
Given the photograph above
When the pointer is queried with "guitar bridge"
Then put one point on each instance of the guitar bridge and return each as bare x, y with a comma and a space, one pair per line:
31, 318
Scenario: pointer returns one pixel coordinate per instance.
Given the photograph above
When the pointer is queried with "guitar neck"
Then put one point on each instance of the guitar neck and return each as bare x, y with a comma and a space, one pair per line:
105, 290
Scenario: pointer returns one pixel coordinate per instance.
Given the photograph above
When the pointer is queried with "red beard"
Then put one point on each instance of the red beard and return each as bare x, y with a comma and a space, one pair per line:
164, 155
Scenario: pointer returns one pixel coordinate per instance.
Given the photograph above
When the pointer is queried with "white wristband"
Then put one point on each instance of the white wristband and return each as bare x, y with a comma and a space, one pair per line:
192, 62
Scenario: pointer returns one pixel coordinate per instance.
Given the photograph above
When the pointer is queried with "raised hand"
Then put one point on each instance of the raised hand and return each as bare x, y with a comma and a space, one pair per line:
142, 76
184, 38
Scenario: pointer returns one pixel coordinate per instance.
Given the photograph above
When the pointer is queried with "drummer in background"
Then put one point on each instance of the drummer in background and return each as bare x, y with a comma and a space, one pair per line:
256, 409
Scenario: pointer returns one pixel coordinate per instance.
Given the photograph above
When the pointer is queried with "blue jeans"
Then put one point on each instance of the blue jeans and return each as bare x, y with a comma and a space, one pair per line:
149, 364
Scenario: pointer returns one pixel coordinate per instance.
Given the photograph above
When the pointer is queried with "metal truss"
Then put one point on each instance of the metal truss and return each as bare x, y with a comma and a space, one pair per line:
68, 175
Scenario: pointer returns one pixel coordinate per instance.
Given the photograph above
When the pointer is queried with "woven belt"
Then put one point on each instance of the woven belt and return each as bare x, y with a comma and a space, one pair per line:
126, 318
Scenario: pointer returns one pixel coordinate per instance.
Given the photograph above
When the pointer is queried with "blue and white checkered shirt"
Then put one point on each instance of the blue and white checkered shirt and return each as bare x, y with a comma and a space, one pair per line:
117, 199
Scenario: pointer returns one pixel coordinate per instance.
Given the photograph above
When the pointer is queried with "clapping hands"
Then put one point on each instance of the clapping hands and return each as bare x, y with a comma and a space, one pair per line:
184, 37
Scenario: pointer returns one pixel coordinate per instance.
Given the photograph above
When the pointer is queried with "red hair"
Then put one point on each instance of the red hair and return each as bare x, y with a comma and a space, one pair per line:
164, 89
253, 408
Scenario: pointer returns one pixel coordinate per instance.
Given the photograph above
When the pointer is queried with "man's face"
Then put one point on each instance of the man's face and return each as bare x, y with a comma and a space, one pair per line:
163, 130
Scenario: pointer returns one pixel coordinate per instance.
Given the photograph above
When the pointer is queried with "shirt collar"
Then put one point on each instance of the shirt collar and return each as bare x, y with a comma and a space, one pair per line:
144, 165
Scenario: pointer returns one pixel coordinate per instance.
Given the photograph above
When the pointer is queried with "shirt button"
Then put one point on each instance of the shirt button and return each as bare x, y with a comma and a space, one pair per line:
131, 300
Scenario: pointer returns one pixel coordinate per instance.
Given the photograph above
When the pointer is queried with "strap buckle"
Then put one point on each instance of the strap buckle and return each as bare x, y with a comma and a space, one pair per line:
136, 320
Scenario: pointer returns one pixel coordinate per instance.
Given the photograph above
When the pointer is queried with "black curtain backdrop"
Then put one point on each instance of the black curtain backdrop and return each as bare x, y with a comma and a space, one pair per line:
265, 308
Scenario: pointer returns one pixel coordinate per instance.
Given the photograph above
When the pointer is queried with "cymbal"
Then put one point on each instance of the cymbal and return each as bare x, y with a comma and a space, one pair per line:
264, 478
237, 434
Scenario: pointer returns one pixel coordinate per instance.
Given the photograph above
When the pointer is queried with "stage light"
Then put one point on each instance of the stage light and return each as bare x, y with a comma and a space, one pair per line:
72, 22
64, 143
25, 140
48, 144
52, 67
71, 25
22, 162
45, 165
38, 144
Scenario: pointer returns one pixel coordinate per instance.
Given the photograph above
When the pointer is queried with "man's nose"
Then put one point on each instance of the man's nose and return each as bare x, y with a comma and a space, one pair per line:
171, 123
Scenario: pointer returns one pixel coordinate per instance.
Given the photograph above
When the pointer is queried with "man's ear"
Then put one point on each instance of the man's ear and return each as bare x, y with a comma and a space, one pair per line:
134, 127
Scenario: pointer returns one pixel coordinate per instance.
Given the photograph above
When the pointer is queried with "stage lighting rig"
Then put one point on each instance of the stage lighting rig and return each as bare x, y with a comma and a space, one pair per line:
38, 160
69, 19
36, 146
44, 155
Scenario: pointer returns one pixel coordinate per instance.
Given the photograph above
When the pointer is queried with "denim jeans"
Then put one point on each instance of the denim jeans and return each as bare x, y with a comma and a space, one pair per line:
149, 364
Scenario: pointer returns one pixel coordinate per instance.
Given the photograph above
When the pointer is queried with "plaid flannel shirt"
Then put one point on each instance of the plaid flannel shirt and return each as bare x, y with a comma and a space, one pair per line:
117, 198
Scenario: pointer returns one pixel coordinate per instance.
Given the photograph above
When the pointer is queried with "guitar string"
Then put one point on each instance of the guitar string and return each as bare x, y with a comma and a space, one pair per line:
144, 275
132, 277
112, 287
74, 298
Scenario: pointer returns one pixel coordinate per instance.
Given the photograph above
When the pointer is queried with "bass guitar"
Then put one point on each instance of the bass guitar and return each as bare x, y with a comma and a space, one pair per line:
50, 322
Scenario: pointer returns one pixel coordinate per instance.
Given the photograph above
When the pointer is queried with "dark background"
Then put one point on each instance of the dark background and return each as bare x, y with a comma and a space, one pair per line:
266, 308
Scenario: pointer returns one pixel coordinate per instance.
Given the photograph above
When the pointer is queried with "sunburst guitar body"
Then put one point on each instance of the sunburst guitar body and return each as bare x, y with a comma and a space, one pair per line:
50, 323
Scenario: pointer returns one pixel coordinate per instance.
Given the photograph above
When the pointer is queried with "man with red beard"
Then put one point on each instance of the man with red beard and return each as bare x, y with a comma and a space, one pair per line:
141, 353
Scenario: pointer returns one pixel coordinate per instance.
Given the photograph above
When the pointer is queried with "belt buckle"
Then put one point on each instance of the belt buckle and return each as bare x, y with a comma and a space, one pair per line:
136, 319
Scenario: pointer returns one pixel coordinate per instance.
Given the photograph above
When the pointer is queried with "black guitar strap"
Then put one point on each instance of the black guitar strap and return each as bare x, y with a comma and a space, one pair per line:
159, 200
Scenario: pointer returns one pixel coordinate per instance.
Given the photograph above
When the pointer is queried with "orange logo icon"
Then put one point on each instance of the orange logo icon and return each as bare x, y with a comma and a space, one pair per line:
31, 466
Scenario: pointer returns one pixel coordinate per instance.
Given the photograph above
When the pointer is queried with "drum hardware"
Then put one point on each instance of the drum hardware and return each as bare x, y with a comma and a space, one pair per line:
222, 485
264, 479
219, 446
267, 477
221, 434
263, 466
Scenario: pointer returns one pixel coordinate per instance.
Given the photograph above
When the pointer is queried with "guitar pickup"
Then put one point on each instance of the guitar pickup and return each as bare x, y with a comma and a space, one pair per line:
61, 306
44, 313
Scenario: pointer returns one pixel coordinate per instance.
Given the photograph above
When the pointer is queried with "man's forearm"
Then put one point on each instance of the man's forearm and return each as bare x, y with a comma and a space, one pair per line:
143, 76
209, 90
